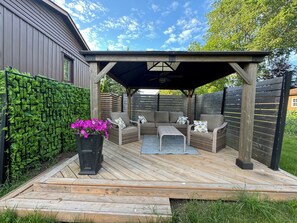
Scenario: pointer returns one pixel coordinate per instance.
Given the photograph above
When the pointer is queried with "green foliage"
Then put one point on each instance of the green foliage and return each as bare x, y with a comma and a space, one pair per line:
170, 92
247, 209
288, 156
252, 25
217, 85
109, 85
291, 123
10, 216
40, 113
239, 25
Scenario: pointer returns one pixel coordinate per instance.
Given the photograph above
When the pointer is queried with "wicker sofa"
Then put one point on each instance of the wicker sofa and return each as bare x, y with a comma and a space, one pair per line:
161, 118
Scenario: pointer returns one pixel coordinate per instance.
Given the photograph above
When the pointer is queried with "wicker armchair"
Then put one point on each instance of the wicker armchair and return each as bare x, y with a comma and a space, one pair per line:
122, 136
212, 141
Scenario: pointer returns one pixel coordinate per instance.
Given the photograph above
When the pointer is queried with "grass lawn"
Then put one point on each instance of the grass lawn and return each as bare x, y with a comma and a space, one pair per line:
247, 209
288, 160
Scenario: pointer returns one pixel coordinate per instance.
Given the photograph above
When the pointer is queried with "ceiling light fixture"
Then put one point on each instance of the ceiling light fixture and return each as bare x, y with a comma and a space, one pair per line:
162, 66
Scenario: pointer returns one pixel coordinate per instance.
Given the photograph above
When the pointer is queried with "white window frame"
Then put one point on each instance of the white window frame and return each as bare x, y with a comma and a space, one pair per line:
294, 103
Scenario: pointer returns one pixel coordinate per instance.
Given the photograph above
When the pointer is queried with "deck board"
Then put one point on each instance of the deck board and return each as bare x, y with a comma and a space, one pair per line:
130, 181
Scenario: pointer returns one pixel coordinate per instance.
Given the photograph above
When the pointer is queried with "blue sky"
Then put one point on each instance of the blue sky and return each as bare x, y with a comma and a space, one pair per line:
139, 25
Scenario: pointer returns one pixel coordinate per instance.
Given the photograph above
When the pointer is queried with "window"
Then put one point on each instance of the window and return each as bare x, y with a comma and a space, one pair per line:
294, 102
67, 69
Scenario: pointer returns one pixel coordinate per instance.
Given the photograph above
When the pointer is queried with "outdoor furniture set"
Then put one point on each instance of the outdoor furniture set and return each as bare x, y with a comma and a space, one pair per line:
209, 133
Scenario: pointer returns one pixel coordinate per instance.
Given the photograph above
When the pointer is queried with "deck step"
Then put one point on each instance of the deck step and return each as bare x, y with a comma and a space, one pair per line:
174, 190
69, 207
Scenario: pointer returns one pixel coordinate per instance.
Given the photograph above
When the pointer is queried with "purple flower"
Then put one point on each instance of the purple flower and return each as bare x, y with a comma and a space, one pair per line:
91, 126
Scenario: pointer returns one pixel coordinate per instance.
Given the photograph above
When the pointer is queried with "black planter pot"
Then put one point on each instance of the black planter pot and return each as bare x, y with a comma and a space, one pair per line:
89, 153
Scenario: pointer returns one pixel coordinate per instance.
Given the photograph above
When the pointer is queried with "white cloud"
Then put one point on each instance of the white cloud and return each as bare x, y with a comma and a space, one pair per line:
111, 45
122, 23
186, 5
173, 6
188, 23
81, 7
185, 35
92, 38
172, 39
208, 4
155, 8
83, 10
169, 30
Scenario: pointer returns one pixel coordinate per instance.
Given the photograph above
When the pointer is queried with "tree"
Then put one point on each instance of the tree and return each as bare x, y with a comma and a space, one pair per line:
108, 85
253, 25
170, 92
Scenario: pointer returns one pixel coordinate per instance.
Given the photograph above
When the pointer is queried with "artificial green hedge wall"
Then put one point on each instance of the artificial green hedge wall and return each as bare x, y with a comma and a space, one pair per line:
40, 112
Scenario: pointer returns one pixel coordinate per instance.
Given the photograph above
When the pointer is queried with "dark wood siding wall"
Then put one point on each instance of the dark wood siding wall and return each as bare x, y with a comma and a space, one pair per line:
34, 39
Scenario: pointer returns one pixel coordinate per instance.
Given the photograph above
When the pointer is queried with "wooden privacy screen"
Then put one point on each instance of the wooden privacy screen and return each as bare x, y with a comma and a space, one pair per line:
208, 104
266, 110
109, 103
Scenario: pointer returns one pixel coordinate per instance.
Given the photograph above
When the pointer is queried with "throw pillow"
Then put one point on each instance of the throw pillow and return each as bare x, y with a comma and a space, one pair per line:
200, 126
142, 119
120, 123
182, 120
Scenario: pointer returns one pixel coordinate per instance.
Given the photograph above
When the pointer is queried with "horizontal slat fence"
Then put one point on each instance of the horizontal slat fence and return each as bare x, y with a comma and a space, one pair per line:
266, 109
173, 103
109, 103
208, 104
142, 102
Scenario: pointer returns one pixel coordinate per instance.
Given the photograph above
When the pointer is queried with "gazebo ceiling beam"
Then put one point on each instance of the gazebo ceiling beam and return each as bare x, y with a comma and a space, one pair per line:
104, 71
173, 58
241, 72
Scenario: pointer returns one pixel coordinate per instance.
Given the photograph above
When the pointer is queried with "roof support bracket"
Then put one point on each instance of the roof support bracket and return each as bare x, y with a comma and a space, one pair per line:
104, 71
241, 73
188, 93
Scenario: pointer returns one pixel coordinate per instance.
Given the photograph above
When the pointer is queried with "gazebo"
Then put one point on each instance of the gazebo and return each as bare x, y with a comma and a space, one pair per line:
183, 71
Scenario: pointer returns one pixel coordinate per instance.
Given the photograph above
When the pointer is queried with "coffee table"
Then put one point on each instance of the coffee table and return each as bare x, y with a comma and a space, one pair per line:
169, 131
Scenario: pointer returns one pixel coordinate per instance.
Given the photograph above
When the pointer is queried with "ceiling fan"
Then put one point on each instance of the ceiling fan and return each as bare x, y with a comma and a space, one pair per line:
165, 77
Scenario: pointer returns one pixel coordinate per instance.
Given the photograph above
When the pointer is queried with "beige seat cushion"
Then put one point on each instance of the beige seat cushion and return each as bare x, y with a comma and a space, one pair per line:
180, 126
129, 130
162, 124
148, 125
161, 116
173, 116
208, 135
149, 115
213, 120
123, 115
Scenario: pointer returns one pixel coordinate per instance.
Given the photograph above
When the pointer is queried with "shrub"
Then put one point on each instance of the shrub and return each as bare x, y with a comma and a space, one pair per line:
291, 123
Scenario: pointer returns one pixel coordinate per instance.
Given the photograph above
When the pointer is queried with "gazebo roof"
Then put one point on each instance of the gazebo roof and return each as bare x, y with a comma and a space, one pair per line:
171, 69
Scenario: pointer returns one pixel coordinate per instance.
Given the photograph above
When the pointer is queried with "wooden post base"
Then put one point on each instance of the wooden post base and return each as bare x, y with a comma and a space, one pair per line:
244, 165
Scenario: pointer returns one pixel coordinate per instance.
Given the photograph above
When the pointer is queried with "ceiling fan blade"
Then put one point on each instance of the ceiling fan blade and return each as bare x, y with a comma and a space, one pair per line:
155, 78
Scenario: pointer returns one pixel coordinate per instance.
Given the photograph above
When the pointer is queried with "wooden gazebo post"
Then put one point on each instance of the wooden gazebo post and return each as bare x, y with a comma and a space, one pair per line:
189, 95
247, 113
94, 90
95, 77
130, 93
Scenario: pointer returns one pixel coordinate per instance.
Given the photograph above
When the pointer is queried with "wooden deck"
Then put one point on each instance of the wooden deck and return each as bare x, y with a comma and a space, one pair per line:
136, 188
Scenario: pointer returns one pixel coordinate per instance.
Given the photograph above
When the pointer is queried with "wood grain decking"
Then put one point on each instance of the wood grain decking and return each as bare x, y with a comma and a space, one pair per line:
136, 188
